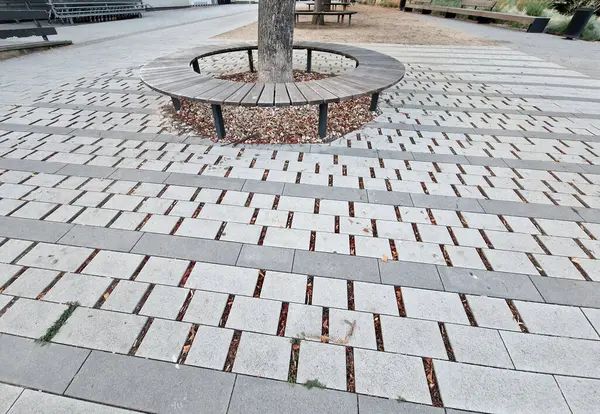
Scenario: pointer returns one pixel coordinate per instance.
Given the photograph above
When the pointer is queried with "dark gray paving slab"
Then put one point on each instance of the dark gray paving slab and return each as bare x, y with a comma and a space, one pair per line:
420, 275
375, 405
544, 165
205, 182
529, 210
329, 193
179, 247
396, 155
266, 257
260, 396
145, 176
101, 238
8, 395
30, 165
34, 402
35, 230
482, 282
489, 161
152, 386
49, 368
336, 265
339, 150
589, 215
263, 187
447, 203
389, 197
426, 156
568, 292
96, 171
591, 169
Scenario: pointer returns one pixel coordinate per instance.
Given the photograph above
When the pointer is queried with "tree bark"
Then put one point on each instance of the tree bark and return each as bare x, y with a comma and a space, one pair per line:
275, 40
320, 20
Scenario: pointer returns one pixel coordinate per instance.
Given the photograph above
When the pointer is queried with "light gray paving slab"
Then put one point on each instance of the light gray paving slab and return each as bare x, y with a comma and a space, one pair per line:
374, 405
164, 340
7, 271
99, 329
5, 300
253, 314
30, 318
264, 356
286, 287
23, 360
8, 395
336, 266
375, 298
12, 249
557, 320
32, 402
330, 292
84, 289
113, 264
178, 247
163, 271
210, 347
582, 394
101, 238
492, 313
340, 324
376, 373
164, 302
479, 346
147, 385
411, 274
476, 388
432, 305
304, 321
125, 297
206, 308
220, 278
322, 362
412, 337
552, 354
487, 283
35, 230
56, 257
258, 396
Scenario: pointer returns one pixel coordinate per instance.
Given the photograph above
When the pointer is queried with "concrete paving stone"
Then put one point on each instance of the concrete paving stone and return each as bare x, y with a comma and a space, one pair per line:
231, 213
412, 337
479, 346
264, 356
332, 243
394, 230
410, 274
154, 205
287, 238
593, 316
298, 204
330, 292
87, 170
390, 198
235, 184
286, 287
375, 298
16, 191
126, 296
7, 205
33, 210
492, 313
340, 322
446, 203
99, 329
81, 288
476, 388
468, 237
258, 395
148, 385
253, 314
513, 241
63, 213
23, 360
562, 228
50, 195
206, 308
322, 362
336, 266
146, 189
464, 257
31, 283
12, 249
164, 340
419, 252
353, 225
178, 192
267, 257
568, 292
273, 218
556, 266
513, 262
188, 248
236, 198
334, 207
521, 224
8, 395
582, 395
164, 302
184, 209
315, 222
90, 199
433, 305
374, 211
128, 221
210, 347
263, 187
35, 402
557, 320
414, 215
434, 234
162, 271
226, 279
390, 375
373, 405
242, 233
552, 354
304, 321
30, 318
324, 192
529, 210
5, 300
101, 238
95, 217
35, 230
484, 221
160, 224
113, 264
562, 246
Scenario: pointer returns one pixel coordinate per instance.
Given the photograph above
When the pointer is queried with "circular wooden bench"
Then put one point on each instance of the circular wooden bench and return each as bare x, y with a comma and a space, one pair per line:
178, 76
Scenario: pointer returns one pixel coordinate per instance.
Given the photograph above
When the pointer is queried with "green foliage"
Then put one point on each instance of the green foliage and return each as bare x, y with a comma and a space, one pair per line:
62, 319
447, 3
314, 383
591, 32
535, 7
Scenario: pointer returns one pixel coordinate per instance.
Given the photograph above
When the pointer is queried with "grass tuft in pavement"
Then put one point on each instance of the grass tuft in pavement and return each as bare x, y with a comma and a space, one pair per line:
62, 319
314, 383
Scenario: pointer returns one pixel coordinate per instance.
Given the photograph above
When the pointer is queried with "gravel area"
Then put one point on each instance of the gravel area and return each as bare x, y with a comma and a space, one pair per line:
372, 24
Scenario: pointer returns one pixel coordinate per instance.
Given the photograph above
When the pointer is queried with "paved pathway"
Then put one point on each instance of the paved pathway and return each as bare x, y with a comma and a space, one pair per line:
458, 234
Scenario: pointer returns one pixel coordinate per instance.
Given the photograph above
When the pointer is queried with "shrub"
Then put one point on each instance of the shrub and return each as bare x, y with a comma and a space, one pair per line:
535, 8
569, 6
592, 30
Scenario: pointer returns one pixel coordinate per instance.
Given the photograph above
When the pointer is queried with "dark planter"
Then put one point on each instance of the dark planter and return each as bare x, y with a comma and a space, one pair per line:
578, 22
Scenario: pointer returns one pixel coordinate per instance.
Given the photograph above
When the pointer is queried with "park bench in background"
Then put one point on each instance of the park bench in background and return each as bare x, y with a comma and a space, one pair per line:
333, 5
31, 28
339, 14
482, 11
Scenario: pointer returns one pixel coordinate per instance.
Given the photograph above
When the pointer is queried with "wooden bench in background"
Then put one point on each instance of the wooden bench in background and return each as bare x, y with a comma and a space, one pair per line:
339, 14
482, 11
25, 30
334, 5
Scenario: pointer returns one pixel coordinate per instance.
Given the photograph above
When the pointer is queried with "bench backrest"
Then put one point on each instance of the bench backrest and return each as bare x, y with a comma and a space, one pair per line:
478, 4
22, 15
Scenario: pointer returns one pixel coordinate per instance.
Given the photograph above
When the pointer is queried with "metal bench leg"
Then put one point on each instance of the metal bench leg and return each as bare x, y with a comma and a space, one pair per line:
323, 120
349, 19
176, 103
423, 11
308, 60
538, 26
250, 60
374, 101
195, 66
449, 15
483, 20
219, 124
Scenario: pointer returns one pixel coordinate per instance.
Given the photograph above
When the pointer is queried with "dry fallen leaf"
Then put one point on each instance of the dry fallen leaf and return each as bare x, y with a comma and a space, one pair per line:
575, 260
367, 230
385, 259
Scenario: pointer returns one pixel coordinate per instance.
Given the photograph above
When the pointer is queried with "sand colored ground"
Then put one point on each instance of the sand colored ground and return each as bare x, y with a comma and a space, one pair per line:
372, 24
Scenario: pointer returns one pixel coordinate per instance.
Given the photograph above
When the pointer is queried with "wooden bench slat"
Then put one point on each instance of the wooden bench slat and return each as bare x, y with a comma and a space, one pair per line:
27, 32
251, 97
10, 15
281, 95
322, 92
267, 97
236, 97
221, 93
296, 97
311, 96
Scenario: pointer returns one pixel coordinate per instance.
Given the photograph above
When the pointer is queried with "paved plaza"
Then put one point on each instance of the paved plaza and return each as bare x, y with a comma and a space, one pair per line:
442, 259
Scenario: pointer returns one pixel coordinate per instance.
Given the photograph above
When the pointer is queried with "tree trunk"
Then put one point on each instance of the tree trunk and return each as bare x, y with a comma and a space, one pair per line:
275, 40
320, 20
